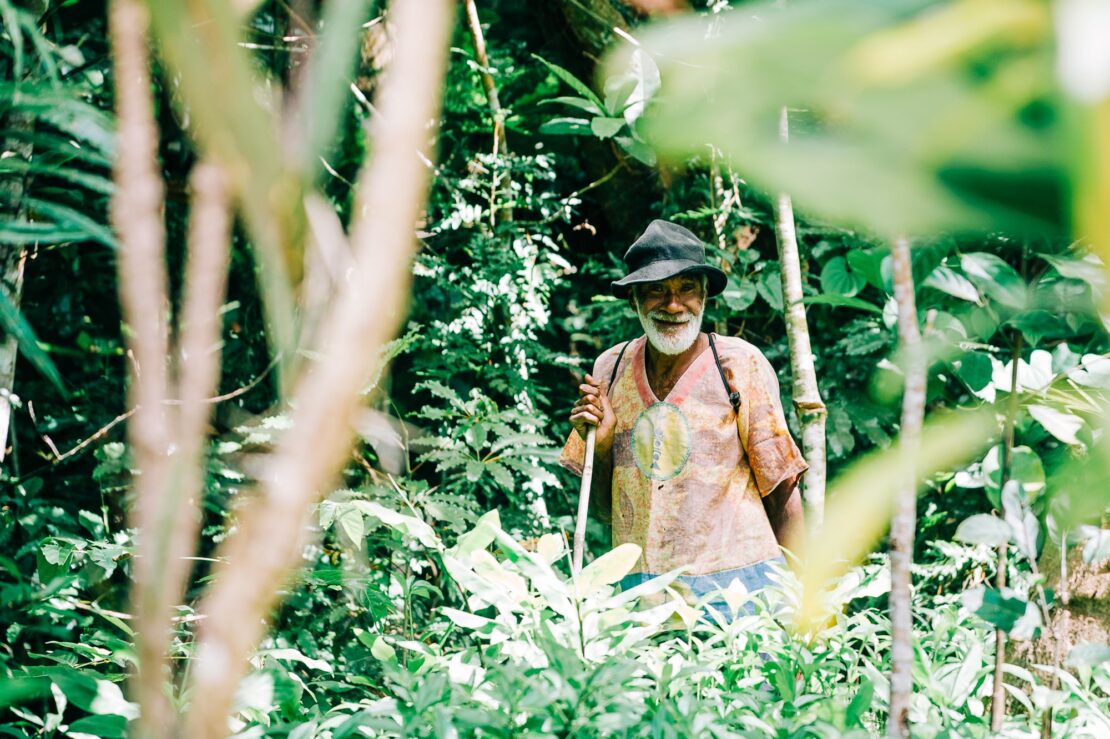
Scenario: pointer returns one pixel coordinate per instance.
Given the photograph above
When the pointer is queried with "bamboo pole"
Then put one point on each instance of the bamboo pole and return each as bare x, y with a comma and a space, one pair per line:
905, 512
584, 502
807, 395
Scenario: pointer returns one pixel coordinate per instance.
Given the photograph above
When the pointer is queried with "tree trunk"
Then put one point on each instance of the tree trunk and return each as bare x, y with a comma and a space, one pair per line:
12, 285
905, 512
12, 189
807, 395
998, 692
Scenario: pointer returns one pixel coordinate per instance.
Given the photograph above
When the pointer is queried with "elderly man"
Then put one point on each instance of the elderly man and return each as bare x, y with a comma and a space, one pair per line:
694, 462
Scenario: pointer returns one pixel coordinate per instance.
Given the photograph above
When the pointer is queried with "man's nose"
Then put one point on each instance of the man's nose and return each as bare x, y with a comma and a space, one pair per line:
673, 304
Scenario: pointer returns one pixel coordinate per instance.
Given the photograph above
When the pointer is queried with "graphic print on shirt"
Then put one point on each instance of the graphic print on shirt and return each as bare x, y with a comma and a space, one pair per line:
661, 441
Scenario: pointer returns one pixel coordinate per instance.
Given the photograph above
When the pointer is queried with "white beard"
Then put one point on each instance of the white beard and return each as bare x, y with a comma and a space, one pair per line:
676, 340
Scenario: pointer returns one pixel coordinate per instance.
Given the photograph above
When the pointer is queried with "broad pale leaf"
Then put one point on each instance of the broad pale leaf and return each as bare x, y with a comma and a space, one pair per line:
607, 569
1063, 426
953, 283
984, 528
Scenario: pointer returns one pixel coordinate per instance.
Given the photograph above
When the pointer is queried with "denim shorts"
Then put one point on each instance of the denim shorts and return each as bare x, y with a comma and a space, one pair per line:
753, 577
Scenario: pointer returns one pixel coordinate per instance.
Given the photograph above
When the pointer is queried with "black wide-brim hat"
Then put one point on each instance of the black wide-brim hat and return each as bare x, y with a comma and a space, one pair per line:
666, 250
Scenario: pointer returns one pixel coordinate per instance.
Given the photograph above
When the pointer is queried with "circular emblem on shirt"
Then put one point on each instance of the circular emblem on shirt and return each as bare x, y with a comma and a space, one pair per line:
661, 441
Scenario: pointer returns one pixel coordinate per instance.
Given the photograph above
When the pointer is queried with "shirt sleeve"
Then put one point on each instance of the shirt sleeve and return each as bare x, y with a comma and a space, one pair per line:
772, 454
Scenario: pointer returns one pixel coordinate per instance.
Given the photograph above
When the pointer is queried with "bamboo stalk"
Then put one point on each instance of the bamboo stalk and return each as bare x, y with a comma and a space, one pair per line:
905, 513
807, 395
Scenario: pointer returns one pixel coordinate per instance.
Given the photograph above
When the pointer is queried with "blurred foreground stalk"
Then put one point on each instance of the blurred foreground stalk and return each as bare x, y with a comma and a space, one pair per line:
171, 382
258, 558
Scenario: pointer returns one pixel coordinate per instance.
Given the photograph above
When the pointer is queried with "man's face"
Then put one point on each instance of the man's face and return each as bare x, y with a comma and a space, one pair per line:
671, 311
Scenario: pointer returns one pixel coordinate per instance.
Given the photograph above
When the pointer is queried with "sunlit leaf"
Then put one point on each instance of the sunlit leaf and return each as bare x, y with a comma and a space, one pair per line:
861, 499
1063, 426
951, 282
984, 528
607, 569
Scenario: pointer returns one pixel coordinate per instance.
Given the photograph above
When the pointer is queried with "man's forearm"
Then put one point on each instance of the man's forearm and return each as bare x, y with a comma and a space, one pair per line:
786, 514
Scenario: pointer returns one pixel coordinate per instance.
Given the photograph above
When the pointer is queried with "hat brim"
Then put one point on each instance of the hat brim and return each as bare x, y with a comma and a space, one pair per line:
666, 269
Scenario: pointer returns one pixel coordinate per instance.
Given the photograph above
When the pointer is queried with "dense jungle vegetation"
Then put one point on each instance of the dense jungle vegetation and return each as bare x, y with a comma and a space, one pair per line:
429, 593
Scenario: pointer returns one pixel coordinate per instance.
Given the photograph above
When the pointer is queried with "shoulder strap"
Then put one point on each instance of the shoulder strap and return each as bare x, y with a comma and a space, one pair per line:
733, 396
613, 376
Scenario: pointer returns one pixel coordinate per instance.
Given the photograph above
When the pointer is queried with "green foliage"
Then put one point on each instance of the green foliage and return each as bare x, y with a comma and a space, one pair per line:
415, 615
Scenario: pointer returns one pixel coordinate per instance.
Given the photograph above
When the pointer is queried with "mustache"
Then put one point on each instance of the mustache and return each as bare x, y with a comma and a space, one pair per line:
664, 317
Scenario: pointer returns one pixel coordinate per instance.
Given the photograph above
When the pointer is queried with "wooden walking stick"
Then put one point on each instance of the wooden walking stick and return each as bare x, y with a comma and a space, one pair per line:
584, 502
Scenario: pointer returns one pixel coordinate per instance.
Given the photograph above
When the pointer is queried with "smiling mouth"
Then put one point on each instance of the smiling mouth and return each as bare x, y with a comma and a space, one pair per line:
665, 323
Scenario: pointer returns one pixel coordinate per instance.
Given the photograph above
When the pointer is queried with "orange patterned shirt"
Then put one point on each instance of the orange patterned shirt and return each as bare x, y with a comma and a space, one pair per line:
689, 473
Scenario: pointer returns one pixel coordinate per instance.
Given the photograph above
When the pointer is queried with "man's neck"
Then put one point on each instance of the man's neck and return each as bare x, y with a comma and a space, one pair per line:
662, 365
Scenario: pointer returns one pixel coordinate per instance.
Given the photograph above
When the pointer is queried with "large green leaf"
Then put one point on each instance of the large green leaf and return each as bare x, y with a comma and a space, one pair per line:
838, 279
1002, 608
841, 301
996, 278
923, 106
576, 84
951, 282
861, 500
16, 325
984, 528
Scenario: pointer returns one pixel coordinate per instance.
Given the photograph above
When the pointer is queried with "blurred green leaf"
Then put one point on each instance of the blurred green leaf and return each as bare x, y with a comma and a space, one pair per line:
996, 278
975, 369
942, 113
606, 128
860, 501
106, 725
327, 83
200, 42
1003, 608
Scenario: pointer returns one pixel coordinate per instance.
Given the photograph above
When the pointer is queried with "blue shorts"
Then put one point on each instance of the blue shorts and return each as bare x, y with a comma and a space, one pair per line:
754, 577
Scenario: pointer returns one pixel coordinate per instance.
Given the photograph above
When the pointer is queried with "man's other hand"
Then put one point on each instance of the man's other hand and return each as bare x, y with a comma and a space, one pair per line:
594, 409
